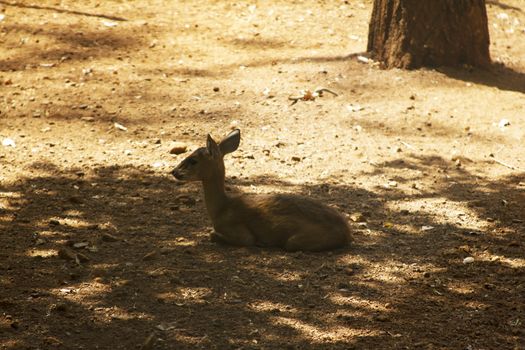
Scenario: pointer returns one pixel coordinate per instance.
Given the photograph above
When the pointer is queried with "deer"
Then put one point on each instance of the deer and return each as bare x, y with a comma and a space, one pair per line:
286, 221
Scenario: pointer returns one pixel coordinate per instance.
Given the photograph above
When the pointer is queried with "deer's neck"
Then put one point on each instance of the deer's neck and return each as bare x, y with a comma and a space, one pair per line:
215, 196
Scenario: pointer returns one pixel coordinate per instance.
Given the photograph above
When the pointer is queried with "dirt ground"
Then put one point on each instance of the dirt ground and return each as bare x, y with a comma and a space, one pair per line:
100, 248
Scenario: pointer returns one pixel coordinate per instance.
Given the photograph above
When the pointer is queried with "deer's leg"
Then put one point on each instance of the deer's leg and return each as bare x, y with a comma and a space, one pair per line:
314, 240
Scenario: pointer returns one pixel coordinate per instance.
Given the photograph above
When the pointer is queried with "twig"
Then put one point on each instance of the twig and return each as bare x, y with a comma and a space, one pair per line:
319, 91
308, 95
505, 164
407, 145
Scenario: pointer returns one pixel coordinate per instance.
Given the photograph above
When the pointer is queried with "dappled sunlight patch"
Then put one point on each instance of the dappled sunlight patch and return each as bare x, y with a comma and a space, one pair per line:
351, 259
73, 213
182, 242
54, 234
42, 253
104, 266
461, 288
10, 201
476, 305
90, 290
108, 314
357, 302
72, 222
269, 306
515, 263
6, 219
94, 289
318, 334
288, 276
398, 273
10, 194
7, 344
442, 211
185, 295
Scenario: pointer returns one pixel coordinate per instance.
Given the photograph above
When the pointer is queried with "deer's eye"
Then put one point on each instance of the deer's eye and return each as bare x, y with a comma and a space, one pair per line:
192, 161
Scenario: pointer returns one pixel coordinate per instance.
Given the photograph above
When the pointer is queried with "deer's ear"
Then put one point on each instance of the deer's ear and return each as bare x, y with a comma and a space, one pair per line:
231, 142
212, 147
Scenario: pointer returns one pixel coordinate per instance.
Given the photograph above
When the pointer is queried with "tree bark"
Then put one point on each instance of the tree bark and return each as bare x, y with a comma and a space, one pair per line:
429, 33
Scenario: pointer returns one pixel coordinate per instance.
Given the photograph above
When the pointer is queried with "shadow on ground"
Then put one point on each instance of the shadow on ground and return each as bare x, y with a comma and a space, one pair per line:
60, 45
61, 10
153, 274
498, 76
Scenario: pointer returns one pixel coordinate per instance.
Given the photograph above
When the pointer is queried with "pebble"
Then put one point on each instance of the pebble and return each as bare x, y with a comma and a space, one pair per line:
178, 148
468, 260
357, 217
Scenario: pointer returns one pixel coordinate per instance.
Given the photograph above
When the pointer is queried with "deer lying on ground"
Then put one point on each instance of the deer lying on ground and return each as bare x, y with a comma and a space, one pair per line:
281, 220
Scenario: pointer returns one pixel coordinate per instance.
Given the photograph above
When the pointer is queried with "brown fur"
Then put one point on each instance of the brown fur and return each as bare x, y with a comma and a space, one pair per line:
286, 221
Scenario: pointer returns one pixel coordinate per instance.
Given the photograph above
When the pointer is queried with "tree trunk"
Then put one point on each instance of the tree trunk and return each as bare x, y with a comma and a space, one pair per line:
429, 33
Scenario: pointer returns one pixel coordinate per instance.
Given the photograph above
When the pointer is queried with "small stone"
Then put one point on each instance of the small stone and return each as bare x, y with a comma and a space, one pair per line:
80, 245
178, 148
357, 217
468, 260
296, 158
87, 119
216, 89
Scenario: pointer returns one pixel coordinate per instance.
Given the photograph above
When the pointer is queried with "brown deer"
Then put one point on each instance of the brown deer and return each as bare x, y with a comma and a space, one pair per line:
281, 220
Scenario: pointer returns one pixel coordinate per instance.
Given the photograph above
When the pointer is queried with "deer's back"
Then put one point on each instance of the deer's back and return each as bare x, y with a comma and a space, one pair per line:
273, 219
